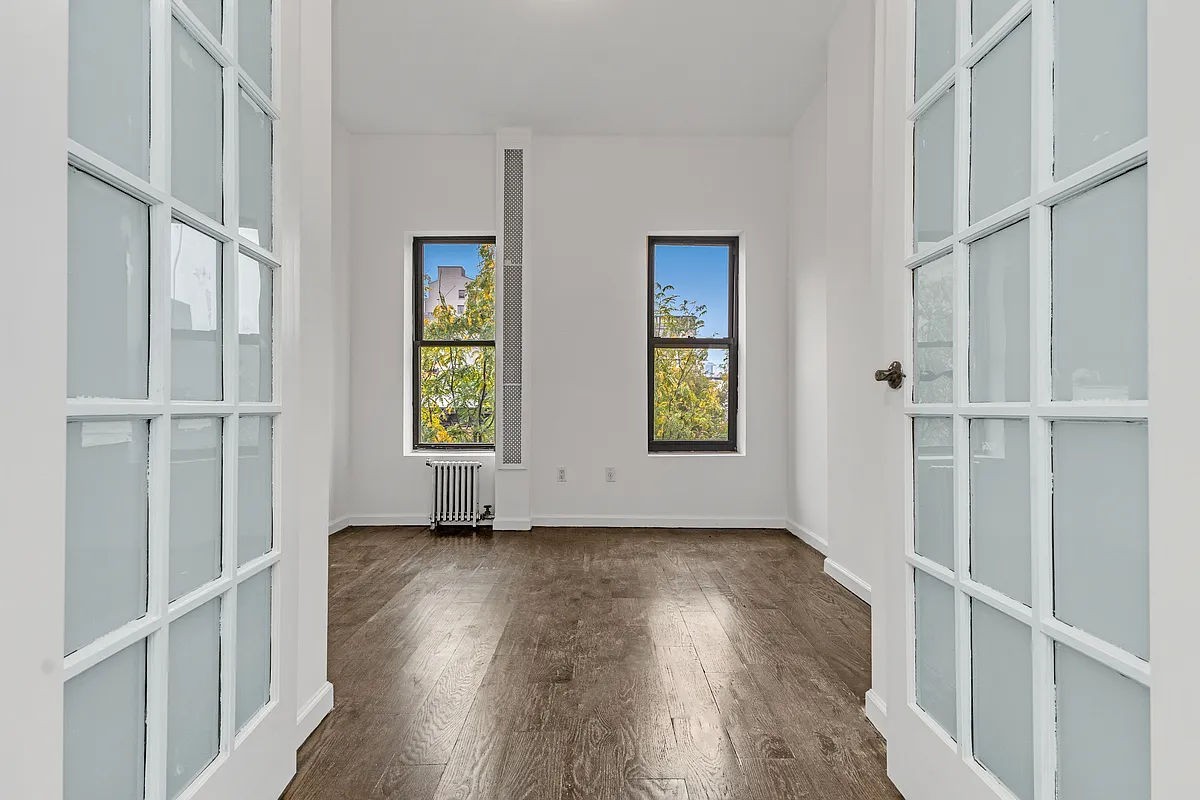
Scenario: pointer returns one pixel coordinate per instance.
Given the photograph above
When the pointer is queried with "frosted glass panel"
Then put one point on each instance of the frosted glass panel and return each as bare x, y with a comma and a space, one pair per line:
254, 40
195, 315
934, 488
936, 681
935, 41
1099, 292
104, 728
208, 12
194, 688
1000, 506
108, 290
933, 212
254, 184
254, 488
1101, 553
999, 318
253, 647
986, 13
1002, 697
1099, 80
195, 503
109, 80
1001, 110
933, 331
255, 323
196, 125
1103, 731
106, 539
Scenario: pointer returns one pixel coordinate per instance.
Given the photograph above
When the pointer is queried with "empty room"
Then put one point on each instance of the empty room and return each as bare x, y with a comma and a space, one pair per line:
599, 400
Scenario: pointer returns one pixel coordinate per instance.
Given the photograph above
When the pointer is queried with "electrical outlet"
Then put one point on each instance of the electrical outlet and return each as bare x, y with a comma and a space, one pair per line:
562, 474
610, 474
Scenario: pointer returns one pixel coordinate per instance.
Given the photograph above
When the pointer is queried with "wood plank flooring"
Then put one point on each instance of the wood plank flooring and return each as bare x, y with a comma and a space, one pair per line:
597, 664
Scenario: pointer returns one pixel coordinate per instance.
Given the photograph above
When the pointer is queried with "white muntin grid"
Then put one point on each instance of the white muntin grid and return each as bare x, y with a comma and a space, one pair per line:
159, 409
1040, 413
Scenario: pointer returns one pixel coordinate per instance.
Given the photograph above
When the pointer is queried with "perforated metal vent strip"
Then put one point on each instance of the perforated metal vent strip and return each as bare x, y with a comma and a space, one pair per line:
511, 437
513, 320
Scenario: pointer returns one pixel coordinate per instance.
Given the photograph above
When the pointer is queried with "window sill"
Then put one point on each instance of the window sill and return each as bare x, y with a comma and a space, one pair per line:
696, 454
447, 452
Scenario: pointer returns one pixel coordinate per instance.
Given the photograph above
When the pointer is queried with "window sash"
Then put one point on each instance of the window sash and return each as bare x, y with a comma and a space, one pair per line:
730, 343
420, 342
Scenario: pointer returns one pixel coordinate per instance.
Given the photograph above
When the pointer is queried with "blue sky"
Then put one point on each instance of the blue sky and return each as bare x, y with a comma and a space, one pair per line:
451, 255
699, 273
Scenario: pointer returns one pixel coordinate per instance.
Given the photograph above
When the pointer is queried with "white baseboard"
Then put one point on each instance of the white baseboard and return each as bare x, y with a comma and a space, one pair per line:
808, 537
315, 710
368, 520
876, 711
511, 524
846, 578
653, 521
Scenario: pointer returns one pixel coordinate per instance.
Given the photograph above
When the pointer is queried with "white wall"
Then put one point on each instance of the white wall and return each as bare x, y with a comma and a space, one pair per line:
401, 185
339, 484
592, 202
808, 398
836, 296
33, 358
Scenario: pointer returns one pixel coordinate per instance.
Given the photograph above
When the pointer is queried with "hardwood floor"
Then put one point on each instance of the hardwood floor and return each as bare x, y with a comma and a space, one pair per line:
571, 663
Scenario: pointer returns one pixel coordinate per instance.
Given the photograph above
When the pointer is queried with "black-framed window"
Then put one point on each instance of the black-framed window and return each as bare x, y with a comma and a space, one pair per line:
454, 342
692, 352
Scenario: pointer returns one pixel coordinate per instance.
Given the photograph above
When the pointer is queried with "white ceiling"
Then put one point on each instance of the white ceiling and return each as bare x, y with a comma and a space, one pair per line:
578, 66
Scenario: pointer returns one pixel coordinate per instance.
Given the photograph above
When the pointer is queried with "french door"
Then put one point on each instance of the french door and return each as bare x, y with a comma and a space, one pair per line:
1023, 577
173, 643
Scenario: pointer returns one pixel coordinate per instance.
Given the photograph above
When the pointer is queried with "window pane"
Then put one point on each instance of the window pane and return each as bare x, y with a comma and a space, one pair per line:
1099, 292
933, 189
107, 517
1002, 697
195, 503
1099, 80
999, 318
935, 41
196, 125
1000, 506
691, 291
1103, 731
1101, 541
253, 647
255, 330
195, 315
194, 688
254, 185
108, 291
254, 40
986, 13
109, 80
104, 728
933, 329
933, 439
936, 679
691, 394
1001, 110
460, 291
457, 395
254, 488
208, 12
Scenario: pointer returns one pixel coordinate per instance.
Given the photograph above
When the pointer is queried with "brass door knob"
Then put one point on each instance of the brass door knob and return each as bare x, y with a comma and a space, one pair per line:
894, 375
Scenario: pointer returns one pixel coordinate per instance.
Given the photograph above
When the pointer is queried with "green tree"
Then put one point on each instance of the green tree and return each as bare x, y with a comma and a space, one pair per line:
689, 405
458, 383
